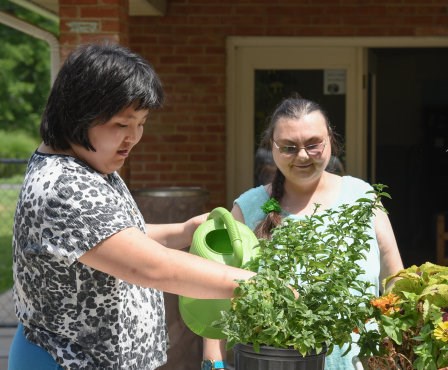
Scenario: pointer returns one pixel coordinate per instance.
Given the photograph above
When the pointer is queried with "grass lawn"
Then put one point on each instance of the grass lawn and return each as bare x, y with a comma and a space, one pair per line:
8, 200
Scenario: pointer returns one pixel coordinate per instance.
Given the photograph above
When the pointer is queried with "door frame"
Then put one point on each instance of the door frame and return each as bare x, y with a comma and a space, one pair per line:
245, 54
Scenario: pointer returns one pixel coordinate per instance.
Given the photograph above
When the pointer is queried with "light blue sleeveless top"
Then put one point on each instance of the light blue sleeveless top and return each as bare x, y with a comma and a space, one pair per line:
352, 189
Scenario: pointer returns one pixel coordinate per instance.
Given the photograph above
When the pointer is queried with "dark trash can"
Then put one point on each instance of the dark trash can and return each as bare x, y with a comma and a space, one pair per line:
171, 205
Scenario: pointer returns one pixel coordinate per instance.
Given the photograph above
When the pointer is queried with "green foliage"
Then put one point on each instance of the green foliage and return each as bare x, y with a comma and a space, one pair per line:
29, 16
320, 263
24, 72
6, 280
411, 320
8, 202
15, 145
24, 87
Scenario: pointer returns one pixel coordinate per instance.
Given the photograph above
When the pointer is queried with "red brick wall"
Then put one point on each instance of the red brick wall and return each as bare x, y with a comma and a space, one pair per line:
110, 17
184, 144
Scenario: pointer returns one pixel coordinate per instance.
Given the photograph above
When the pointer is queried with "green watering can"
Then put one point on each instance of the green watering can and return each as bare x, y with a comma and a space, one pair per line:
221, 239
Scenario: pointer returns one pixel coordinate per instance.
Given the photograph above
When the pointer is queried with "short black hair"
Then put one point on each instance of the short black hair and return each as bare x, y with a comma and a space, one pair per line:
96, 82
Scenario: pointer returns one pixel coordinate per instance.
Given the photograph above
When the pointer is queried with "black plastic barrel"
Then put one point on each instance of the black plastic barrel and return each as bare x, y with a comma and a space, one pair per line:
270, 358
168, 205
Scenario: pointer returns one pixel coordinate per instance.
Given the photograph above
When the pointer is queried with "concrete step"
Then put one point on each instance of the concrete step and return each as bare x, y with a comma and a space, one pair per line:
8, 323
6, 336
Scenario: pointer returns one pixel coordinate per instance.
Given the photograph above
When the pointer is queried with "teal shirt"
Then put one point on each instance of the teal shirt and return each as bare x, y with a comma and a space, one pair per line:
352, 189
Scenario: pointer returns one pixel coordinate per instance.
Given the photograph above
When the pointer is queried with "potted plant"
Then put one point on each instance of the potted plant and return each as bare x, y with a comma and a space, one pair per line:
411, 322
320, 264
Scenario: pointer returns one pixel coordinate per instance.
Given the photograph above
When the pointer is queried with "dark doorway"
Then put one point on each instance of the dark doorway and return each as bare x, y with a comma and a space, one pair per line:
272, 86
412, 142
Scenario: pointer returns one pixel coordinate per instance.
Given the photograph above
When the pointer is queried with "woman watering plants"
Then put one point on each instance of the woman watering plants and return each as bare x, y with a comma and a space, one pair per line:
302, 142
88, 272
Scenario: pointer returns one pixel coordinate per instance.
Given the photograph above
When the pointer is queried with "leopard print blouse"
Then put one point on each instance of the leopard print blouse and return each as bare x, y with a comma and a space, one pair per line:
84, 318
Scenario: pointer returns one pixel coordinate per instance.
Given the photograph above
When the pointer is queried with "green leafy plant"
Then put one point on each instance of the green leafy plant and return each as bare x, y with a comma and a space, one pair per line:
411, 330
15, 145
320, 263
8, 200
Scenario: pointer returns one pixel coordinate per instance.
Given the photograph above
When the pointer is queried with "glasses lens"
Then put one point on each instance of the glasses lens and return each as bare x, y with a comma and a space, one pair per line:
288, 149
315, 149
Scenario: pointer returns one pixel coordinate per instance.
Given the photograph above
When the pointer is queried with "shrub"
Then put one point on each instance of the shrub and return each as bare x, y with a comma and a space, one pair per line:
15, 145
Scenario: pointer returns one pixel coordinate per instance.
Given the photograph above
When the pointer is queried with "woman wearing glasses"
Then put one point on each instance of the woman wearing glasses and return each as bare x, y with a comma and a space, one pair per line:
302, 143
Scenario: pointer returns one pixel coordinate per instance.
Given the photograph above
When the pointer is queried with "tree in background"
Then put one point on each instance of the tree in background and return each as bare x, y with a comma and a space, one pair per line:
24, 87
24, 72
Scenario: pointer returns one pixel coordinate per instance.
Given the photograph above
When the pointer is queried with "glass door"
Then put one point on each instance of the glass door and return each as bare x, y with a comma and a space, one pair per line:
326, 87
261, 76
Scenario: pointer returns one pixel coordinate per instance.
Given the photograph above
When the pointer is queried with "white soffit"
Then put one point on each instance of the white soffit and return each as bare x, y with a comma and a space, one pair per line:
50, 8
147, 7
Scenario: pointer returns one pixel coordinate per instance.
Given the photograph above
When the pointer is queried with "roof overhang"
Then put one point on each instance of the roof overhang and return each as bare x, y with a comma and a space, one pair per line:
50, 8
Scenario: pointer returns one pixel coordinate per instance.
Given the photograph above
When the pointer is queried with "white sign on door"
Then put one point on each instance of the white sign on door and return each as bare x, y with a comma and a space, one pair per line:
334, 81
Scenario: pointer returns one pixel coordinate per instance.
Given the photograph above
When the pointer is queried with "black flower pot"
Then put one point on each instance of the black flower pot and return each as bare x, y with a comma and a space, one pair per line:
270, 358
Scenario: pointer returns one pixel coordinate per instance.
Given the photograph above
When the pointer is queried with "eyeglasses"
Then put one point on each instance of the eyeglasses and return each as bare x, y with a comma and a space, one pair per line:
313, 150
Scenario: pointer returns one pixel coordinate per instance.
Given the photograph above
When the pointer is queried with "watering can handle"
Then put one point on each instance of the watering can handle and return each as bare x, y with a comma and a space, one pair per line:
223, 216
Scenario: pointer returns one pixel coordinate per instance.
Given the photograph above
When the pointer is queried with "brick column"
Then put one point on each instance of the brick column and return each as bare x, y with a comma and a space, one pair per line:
87, 21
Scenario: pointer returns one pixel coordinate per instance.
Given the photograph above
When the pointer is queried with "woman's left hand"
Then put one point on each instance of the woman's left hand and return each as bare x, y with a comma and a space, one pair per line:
176, 235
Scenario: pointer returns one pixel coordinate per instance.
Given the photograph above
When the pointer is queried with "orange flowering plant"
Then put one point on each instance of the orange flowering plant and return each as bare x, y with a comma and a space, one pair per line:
410, 328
